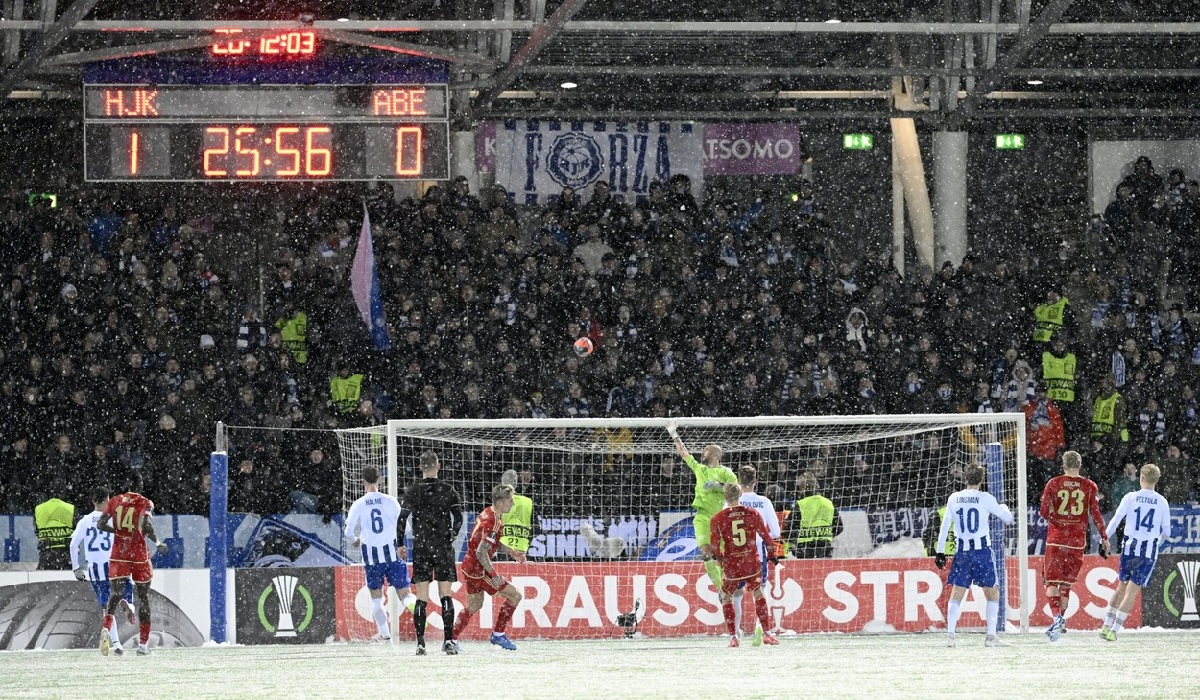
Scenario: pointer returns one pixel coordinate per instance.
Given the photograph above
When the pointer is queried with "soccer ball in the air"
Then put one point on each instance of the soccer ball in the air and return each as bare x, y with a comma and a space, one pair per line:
583, 347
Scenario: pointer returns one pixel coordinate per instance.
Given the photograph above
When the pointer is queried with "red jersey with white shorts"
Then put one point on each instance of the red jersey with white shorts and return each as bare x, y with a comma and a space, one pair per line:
130, 556
1067, 502
733, 542
487, 529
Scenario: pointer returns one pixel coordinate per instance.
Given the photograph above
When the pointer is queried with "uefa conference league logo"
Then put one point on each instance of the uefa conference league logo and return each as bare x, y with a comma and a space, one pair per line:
285, 587
1187, 572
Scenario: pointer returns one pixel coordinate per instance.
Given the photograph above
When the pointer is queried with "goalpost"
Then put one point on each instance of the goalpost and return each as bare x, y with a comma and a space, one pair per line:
613, 550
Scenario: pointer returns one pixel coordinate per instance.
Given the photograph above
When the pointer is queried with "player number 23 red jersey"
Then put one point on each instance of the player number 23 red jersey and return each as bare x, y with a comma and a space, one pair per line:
1067, 502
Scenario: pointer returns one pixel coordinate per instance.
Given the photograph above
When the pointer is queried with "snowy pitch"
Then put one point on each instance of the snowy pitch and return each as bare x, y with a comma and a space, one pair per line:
1140, 664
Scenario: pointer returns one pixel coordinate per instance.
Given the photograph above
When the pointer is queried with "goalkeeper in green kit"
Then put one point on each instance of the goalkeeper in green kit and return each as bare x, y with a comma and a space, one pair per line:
711, 478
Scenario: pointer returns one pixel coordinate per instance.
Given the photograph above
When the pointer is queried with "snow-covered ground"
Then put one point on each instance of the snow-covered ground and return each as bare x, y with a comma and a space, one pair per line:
1139, 665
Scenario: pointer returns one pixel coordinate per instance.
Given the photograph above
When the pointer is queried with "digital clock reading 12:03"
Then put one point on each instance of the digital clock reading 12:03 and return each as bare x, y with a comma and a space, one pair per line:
265, 133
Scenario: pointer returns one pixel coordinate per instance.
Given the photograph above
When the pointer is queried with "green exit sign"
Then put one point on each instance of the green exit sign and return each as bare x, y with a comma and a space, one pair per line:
858, 142
1010, 142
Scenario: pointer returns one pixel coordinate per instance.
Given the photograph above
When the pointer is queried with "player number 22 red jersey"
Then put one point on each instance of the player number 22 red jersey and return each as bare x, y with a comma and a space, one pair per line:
126, 512
487, 527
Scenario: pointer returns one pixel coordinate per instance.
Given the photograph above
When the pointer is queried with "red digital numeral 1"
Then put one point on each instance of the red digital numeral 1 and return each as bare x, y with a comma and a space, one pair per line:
408, 150
133, 152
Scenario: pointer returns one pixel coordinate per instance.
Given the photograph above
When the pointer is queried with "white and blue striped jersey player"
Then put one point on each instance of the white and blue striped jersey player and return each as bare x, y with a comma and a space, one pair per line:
766, 509
1147, 517
969, 510
372, 522
91, 548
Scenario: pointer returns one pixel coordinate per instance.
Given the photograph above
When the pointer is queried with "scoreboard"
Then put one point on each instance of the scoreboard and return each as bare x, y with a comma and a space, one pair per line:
265, 106
201, 133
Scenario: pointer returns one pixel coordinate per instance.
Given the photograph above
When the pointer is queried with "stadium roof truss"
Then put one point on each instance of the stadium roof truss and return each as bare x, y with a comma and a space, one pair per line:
938, 60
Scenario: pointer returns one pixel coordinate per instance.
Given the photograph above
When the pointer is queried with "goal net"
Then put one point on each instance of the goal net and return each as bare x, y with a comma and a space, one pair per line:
613, 551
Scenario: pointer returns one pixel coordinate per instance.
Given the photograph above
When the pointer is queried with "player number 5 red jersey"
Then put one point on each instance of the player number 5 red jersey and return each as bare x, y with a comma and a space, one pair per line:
733, 531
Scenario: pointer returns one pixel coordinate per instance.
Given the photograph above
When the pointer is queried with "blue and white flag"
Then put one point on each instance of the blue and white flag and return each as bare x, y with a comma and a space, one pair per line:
364, 285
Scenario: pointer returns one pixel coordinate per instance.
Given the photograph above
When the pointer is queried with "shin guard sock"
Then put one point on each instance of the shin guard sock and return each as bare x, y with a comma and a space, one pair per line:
506, 613
419, 614
448, 617
460, 624
381, 620
952, 613
993, 613
1054, 601
760, 608
727, 608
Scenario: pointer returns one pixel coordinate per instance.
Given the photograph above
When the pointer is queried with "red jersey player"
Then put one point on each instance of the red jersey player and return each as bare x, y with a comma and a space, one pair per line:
127, 516
735, 547
479, 574
1067, 501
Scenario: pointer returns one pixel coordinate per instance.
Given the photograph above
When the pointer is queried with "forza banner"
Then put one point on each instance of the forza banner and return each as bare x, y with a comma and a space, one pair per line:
535, 159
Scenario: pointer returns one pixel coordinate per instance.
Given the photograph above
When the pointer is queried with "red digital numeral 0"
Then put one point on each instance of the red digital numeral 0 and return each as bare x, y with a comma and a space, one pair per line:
408, 151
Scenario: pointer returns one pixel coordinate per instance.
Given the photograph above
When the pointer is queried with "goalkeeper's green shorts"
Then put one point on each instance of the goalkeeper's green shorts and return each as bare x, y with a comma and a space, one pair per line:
702, 524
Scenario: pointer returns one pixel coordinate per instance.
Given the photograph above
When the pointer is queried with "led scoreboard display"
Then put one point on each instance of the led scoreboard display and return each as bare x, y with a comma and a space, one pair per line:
203, 133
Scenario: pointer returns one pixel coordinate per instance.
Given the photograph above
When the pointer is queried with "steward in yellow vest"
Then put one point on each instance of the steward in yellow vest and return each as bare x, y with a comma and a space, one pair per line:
1049, 317
518, 522
294, 331
1058, 372
814, 522
54, 520
345, 390
934, 527
1108, 414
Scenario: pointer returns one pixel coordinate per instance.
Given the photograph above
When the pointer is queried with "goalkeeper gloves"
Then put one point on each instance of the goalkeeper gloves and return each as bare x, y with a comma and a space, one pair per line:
940, 560
672, 430
81, 574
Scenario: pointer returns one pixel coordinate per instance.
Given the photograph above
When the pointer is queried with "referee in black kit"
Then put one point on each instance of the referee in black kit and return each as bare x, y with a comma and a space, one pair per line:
437, 517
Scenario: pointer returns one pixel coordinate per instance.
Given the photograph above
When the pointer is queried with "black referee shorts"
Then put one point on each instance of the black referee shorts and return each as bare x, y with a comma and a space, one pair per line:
434, 565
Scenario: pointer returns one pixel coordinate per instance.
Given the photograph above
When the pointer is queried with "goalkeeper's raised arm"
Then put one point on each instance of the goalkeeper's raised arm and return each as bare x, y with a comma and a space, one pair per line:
711, 477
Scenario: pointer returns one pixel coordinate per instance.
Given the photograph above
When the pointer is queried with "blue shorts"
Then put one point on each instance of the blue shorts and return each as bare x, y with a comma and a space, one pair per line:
102, 592
1136, 570
973, 566
396, 573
